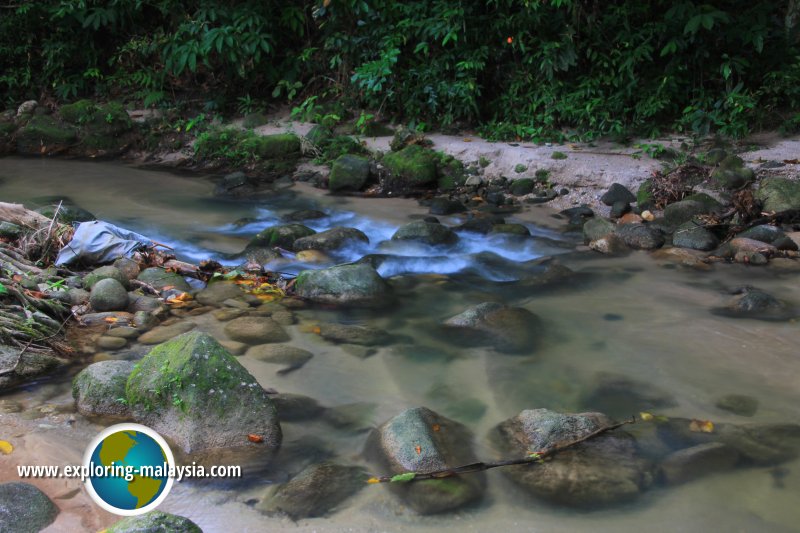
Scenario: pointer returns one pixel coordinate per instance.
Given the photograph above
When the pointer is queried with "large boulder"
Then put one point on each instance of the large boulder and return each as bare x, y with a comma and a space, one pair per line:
681, 212
331, 239
216, 293
99, 389
597, 228
732, 173
44, 135
283, 236
348, 173
154, 522
108, 295
255, 330
24, 508
640, 236
617, 193
315, 491
604, 470
18, 367
426, 232
695, 237
160, 278
779, 194
196, 394
410, 168
345, 284
420, 440
507, 329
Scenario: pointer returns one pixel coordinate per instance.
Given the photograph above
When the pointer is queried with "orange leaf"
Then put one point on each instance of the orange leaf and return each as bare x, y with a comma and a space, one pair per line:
111, 319
168, 287
373, 480
701, 426
418, 449
316, 329
252, 437
437, 427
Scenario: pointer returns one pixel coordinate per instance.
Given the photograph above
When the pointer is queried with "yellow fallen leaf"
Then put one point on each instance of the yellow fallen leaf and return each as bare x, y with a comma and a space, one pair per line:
701, 426
111, 319
467, 140
316, 329
373, 480
646, 416
6, 447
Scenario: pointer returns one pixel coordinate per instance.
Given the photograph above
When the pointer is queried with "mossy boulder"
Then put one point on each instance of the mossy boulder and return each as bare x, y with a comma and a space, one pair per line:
195, 393
108, 295
104, 272
695, 237
420, 440
154, 522
43, 135
279, 146
358, 285
159, 278
732, 173
430, 233
681, 212
779, 194
450, 171
68, 213
522, 186
404, 137
602, 471
24, 508
99, 389
282, 236
410, 168
640, 236
644, 195
79, 112
331, 239
516, 230
102, 128
348, 173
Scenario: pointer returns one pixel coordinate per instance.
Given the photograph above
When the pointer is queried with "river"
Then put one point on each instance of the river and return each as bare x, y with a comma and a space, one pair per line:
634, 316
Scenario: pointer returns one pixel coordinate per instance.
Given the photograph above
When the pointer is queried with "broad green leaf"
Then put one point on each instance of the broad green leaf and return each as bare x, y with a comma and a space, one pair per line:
403, 478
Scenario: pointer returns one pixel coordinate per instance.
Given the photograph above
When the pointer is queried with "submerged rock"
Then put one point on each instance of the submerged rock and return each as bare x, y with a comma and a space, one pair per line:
698, 461
427, 232
356, 284
296, 407
18, 367
195, 393
99, 389
316, 491
756, 304
281, 354
619, 395
161, 334
739, 404
420, 440
24, 508
255, 330
353, 334
282, 236
154, 522
216, 293
508, 329
332, 239
604, 470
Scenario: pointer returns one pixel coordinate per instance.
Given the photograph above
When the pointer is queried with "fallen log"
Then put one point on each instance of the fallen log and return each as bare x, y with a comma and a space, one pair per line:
17, 214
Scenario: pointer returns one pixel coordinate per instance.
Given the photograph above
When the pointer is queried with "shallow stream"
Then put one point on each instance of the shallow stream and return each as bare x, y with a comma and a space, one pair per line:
634, 316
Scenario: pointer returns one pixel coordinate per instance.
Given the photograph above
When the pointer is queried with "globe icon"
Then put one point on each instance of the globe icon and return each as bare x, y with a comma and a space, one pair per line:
128, 469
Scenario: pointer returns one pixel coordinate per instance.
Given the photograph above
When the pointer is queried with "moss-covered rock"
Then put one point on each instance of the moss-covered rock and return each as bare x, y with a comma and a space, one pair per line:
644, 195
68, 213
522, 186
779, 194
410, 168
195, 393
346, 284
451, 172
695, 237
732, 173
420, 440
79, 112
405, 137
108, 295
426, 232
24, 508
99, 389
159, 278
104, 272
154, 522
678, 213
43, 134
283, 236
331, 239
279, 146
518, 230
597, 228
348, 173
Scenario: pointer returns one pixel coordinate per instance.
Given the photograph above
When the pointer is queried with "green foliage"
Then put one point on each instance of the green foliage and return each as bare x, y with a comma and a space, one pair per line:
558, 155
243, 147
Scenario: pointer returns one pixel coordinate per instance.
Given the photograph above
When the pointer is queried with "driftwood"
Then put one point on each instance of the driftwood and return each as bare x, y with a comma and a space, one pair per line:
17, 214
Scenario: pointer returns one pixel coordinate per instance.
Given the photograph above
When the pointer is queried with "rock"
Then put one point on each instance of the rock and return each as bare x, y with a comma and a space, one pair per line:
739, 404
517, 230
9, 230
640, 236
426, 232
332, 239
619, 209
77, 296
597, 228
757, 304
27, 107
785, 243
779, 194
127, 267
751, 258
296, 407
732, 174
346, 284
409, 442
230, 183
609, 245
281, 354
408, 169
161, 334
681, 212
348, 173
313, 257
740, 244
99, 389
24, 508
282, 236
236, 304
255, 330
406, 137
304, 214
236, 348
507, 329
763, 233
159, 278
154, 522
108, 295
620, 396
644, 195
445, 206
617, 193
715, 156
683, 256
200, 397
284, 318
219, 291
698, 461
601, 471
695, 237
315, 491
139, 302
111, 343
68, 213
144, 321
104, 272
522, 186
353, 334
123, 332
225, 314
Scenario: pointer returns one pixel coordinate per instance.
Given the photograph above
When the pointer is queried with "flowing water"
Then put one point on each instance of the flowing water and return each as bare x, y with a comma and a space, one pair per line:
632, 316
